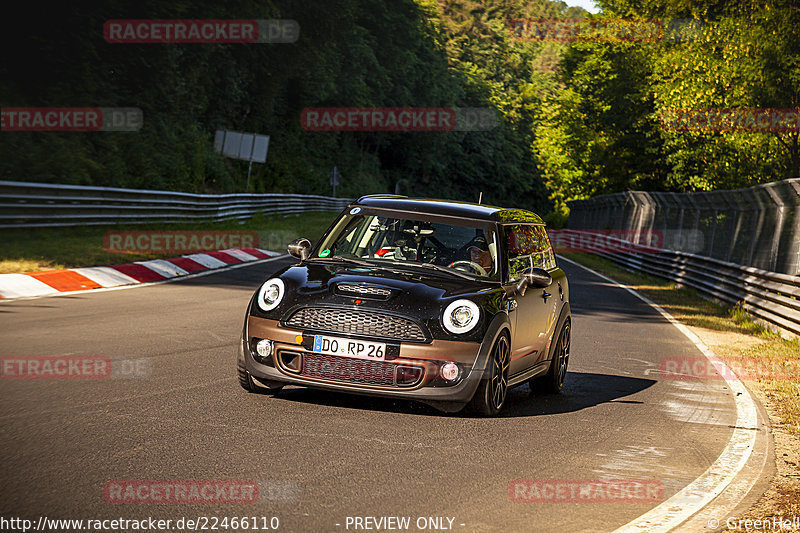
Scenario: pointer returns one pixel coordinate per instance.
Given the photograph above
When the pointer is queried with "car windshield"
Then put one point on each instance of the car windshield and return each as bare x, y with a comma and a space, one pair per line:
462, 247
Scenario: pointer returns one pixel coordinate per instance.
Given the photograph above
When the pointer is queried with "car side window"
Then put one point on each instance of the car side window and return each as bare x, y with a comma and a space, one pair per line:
526, 246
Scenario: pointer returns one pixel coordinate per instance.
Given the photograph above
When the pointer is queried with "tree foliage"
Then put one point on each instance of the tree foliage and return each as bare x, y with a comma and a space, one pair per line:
351, 53
602, 131
575, 119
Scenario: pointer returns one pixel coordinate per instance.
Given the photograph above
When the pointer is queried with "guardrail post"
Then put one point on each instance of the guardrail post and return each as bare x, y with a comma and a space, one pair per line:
679, 237
737, 225
776, 235
758, 222
696, 224
792, 264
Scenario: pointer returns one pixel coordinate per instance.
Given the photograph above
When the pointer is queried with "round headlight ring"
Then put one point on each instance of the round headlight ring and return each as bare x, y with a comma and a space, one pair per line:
461, 316
271, 294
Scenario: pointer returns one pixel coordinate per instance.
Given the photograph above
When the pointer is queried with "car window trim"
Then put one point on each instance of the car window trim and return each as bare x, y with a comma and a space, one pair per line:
506, 271
473, 222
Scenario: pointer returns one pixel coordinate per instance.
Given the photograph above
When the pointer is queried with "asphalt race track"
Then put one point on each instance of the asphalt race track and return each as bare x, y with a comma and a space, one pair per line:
320, 457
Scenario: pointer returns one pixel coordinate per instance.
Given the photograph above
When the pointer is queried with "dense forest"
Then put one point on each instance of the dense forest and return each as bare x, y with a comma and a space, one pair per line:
601, 130
578, 117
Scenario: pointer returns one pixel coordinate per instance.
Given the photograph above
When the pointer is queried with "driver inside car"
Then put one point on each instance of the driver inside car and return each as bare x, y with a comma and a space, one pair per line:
480, 255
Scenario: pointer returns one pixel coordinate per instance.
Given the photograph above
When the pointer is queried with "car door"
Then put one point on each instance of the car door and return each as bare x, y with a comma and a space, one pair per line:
527, 245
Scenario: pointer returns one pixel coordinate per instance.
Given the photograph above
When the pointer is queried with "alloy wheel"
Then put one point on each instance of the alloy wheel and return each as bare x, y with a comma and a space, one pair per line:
499, 383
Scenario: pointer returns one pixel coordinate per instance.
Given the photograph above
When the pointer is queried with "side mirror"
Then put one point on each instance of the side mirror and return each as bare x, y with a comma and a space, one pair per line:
535, 277
300, 248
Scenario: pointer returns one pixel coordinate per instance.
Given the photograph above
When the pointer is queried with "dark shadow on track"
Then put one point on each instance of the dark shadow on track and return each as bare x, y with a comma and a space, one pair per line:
581, 390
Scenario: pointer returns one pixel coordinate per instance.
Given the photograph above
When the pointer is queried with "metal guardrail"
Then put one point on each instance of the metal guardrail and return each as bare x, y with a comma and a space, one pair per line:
770, 296
36, 205
758, 226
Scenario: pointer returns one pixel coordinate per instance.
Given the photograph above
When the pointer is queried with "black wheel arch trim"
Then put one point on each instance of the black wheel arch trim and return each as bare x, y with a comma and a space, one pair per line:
566, 313
499, 322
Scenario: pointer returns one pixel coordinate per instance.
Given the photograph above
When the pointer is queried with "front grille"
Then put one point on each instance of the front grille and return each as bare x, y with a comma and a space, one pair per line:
330, 367
355, 322
367, 291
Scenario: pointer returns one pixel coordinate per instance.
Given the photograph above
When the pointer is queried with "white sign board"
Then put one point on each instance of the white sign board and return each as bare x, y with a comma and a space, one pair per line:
246, 146
219, 139
233, 141
260, 147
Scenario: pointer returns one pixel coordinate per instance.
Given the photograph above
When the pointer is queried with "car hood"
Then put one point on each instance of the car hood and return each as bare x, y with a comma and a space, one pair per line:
413, 292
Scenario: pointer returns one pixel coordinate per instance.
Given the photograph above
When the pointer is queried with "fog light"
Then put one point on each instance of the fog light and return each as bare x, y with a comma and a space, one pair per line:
264, 348
449, 371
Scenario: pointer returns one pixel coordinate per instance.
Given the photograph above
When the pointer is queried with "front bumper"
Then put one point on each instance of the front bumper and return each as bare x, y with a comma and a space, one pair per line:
430, 389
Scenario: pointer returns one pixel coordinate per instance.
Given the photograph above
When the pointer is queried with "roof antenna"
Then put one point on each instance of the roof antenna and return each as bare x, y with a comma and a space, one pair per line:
480, 198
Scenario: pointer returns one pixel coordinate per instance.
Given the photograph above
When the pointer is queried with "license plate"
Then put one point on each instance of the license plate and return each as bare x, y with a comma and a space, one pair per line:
371, 351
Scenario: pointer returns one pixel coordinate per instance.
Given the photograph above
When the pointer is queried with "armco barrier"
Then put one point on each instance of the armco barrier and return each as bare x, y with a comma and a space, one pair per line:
772, 297
31, 205
758, 226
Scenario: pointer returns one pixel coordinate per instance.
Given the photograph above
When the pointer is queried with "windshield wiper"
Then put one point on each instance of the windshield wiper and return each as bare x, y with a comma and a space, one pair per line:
397, 264
354, 260
445, 270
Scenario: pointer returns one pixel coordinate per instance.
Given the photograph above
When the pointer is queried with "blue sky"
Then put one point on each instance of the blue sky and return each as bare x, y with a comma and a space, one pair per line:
588, 5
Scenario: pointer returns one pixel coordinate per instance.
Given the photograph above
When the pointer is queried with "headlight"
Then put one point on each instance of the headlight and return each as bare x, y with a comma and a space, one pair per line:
461, 316
271, 294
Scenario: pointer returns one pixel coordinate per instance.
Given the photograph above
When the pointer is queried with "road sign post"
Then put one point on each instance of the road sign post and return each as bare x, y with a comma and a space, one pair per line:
250, 147
335, 179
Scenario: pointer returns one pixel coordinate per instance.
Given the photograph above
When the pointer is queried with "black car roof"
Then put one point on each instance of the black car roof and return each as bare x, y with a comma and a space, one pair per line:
449, 208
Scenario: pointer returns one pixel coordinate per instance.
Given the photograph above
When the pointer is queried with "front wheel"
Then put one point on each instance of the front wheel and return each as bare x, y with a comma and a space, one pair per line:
247, 383
553, 381
491, 393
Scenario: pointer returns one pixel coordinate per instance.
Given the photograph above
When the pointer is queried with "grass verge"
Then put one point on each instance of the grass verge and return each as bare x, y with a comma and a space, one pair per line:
767, 363
31, 250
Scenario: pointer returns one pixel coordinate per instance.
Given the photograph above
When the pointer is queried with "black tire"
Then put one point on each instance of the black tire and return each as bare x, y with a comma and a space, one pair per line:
247, 383
493, 388
553, 381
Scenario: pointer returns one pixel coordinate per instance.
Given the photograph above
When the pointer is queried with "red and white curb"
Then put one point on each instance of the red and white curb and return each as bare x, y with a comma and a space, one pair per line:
51, 282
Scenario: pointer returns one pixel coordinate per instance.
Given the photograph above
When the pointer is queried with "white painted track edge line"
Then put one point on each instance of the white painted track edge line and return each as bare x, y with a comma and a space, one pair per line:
676, 510
147, 284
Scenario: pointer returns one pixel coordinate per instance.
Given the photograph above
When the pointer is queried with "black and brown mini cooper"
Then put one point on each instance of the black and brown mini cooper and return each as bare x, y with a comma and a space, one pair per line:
443, 302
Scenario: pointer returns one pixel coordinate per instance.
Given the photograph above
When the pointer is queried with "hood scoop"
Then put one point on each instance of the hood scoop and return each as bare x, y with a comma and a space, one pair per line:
369, 292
